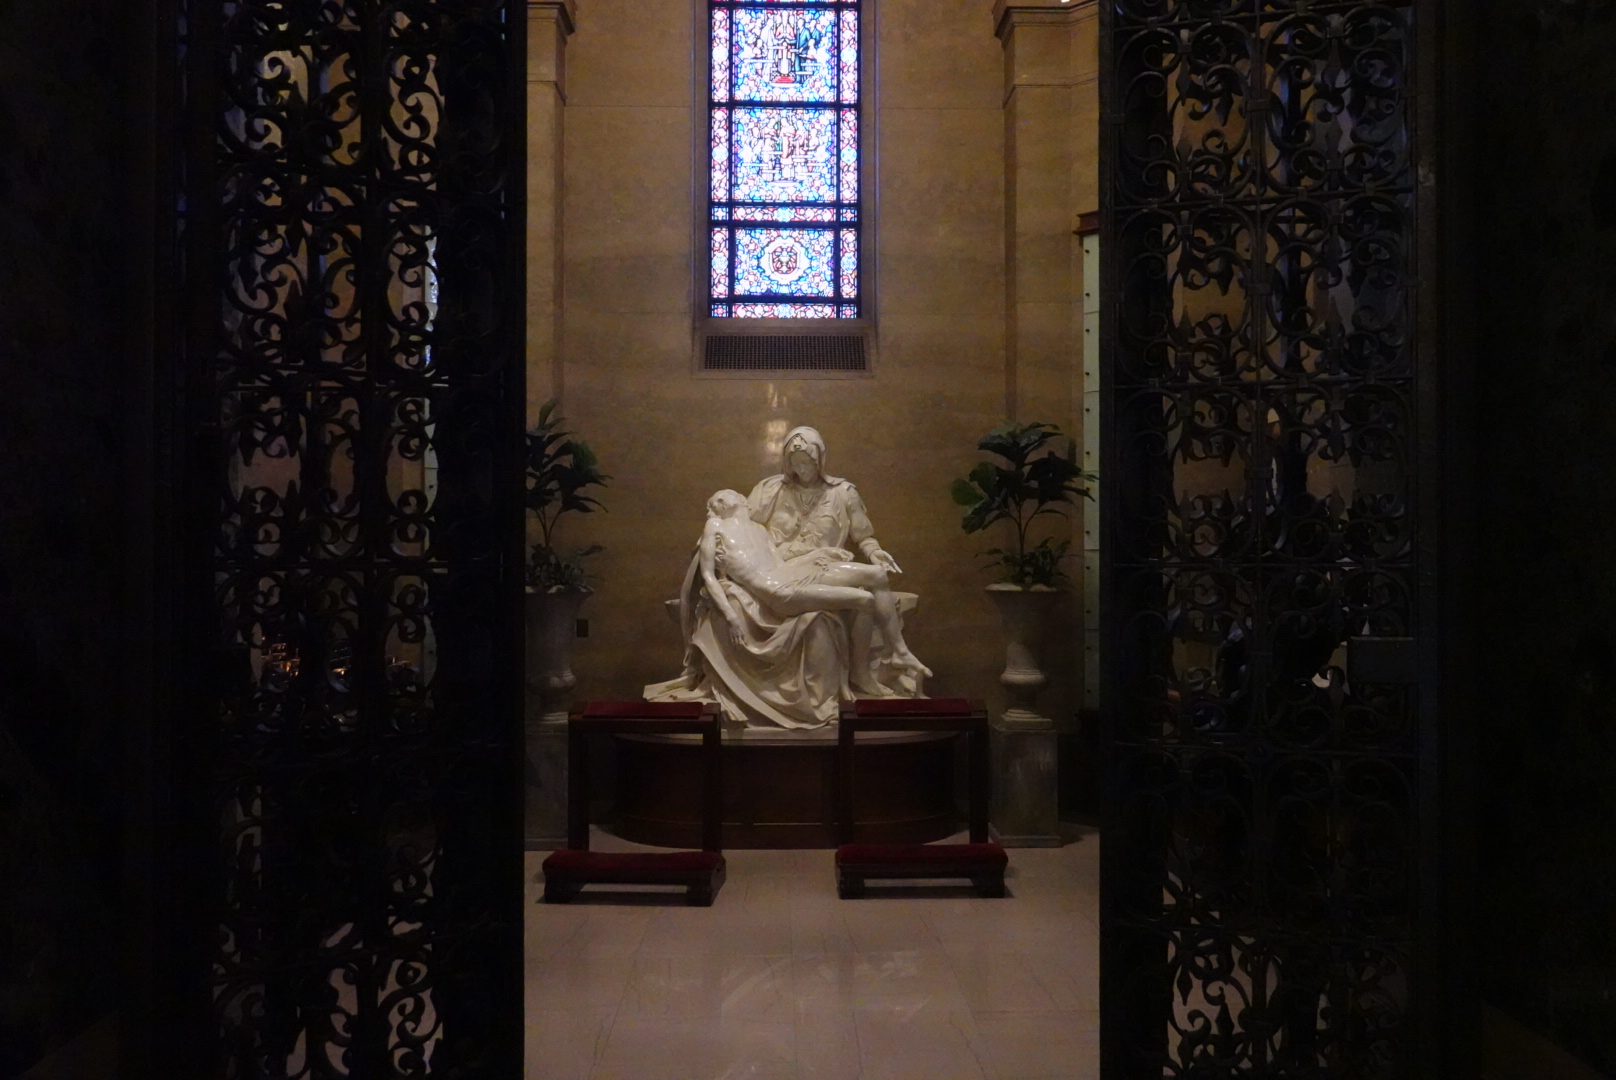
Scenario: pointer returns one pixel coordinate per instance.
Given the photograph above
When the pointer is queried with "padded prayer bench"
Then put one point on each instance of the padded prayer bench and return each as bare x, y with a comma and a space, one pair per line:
980, 861
701, 872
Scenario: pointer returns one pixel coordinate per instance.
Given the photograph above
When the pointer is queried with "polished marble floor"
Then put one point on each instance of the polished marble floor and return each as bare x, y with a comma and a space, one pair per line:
780, 980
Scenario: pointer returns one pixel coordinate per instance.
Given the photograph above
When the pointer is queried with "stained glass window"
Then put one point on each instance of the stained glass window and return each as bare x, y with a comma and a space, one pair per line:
784, 198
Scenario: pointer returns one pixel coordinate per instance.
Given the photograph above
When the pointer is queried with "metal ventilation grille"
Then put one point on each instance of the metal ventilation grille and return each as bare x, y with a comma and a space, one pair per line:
784, 352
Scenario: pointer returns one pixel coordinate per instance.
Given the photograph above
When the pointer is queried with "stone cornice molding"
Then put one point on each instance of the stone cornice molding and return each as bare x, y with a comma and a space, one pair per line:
1009, 14
549, 24
564, 12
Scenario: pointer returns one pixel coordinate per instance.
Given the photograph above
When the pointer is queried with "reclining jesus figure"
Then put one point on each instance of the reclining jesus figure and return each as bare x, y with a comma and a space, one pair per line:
768, 637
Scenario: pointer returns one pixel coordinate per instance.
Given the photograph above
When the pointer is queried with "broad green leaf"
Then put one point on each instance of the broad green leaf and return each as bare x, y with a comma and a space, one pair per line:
977, 519
986, 477
966, 493
582, 456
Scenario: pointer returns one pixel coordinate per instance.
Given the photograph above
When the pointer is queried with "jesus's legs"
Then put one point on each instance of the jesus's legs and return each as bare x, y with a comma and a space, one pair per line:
842, 578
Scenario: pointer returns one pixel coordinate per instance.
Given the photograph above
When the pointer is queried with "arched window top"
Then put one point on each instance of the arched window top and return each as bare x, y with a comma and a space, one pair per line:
784, 155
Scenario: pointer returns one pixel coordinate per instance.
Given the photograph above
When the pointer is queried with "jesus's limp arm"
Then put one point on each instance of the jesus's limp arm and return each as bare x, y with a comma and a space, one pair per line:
710, 540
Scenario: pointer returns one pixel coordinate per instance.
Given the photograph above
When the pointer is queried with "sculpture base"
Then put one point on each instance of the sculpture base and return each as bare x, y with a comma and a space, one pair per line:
780, 789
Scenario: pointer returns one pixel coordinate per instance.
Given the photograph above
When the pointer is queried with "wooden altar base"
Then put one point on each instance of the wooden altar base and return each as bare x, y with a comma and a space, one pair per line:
780, 789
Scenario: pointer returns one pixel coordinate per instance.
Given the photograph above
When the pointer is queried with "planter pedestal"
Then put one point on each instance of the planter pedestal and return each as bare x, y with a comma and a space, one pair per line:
546, 742
551, 628
1025, 807
1025, 793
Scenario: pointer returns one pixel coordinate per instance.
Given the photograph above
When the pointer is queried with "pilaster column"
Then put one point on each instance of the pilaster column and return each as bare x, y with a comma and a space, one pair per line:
549, 24
1050, 138
1043, 302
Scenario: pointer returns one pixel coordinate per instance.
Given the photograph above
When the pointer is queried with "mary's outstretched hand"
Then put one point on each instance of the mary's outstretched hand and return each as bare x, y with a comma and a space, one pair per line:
886, 562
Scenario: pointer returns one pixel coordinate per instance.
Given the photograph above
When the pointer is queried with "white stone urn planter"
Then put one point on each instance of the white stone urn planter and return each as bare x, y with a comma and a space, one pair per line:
552, 621
1025, 803
1024, 612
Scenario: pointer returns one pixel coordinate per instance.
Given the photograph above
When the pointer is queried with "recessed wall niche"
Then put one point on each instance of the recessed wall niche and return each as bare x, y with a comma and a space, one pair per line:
979, 307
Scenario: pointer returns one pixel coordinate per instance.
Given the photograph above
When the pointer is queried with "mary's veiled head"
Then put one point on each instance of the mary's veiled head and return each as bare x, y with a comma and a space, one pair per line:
802, 456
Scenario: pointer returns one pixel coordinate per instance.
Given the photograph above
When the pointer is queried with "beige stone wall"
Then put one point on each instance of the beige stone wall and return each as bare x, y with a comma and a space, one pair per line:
669, 438
548, 26
1051, 141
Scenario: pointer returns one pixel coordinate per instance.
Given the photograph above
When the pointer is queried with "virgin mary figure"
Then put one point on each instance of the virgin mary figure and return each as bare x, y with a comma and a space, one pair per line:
791, 670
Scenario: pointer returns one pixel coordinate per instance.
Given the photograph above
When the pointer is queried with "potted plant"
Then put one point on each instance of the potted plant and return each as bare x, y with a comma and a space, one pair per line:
1034, 480
559, 468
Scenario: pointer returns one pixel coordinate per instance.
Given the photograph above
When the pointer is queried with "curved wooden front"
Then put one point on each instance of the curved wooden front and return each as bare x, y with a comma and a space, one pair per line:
783, 794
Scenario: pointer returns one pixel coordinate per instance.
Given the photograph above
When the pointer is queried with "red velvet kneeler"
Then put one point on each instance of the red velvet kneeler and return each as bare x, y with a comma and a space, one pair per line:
980, 861
701, 872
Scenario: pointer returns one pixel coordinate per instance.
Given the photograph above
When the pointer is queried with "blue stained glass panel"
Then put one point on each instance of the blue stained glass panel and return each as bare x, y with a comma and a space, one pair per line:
785, 311
782, 213
850, 57
785, 155
850, 257
784, 159
720, 65
785, 55
850, 155
720, 154
719, 262
785, 262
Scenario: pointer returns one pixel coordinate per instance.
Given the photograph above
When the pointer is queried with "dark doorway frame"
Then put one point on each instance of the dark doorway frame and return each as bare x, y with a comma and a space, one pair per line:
167, 918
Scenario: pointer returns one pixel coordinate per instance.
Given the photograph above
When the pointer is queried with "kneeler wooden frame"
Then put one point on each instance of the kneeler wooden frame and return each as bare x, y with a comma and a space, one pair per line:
701, 872
981, 861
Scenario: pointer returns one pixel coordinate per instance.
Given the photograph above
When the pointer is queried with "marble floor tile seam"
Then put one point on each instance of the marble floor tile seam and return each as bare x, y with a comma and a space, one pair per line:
870, 1041
935, 995
1078, 1014
1071, 1026
949, 1045
550, 1058
773, 941
1068, 962
1047, 1047
610, 934
677, 1049
965, 934
980, 925
754, 989
571, 1000
602, 1039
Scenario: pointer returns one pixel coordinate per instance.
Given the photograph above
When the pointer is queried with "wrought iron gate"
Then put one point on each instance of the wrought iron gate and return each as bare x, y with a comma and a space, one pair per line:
1262, 589
352, 223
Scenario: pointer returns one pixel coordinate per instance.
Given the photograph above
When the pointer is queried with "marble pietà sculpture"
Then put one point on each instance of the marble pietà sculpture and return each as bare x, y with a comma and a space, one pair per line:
781, 623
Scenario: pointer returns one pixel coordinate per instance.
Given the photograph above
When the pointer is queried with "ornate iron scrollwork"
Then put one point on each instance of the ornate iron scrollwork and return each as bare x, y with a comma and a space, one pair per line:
1261, 846
353, 199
